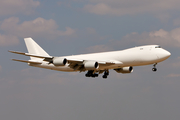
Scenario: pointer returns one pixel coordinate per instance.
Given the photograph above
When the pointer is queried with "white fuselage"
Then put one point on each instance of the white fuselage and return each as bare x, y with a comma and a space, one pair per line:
137, 56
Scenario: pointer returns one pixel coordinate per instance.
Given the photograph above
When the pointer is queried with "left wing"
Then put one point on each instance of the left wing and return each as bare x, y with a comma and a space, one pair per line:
80, 65
76, 64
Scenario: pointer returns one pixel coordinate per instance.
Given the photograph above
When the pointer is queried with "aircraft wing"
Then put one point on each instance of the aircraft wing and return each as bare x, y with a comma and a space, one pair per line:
77, 64
77, 61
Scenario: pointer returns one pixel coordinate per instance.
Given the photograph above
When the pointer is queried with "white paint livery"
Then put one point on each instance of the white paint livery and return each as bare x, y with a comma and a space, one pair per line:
95, 63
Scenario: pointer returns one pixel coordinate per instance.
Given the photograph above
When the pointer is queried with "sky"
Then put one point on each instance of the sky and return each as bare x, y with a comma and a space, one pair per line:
70, 27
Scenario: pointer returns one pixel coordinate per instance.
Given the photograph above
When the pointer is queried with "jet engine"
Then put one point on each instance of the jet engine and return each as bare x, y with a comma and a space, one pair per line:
91, 65
124, 70
59, 61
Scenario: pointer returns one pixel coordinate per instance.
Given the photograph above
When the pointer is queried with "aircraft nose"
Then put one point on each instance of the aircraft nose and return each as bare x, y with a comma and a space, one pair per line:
164, 54
168, 54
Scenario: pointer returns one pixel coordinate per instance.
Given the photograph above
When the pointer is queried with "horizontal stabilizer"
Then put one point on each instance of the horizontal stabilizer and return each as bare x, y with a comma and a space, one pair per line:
32, 55
34, 62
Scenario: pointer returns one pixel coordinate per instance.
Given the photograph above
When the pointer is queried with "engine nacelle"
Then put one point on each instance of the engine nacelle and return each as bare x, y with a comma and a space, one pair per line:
124, 70
91, 65
59, 61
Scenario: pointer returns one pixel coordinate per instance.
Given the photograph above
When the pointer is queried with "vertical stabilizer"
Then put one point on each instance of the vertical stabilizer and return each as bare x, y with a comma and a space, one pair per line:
34, 48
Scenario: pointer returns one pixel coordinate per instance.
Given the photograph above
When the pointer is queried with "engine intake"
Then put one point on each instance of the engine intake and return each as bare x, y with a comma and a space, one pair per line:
91, 65
59, 61
124, 70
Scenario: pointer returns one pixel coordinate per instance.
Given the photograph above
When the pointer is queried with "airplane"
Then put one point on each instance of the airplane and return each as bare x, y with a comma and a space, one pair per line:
95, 63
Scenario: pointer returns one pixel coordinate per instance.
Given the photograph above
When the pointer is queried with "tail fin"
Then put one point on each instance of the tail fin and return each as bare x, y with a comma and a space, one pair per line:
34, 48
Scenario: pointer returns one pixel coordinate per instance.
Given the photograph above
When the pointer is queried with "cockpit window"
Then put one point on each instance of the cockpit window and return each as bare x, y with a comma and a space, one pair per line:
158, 46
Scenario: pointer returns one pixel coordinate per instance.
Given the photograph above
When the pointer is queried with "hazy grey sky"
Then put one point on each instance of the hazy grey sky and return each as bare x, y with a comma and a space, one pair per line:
66, 27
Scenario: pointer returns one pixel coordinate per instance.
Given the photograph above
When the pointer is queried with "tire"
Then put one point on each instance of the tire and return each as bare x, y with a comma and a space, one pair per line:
154, 69
104, 76
87, 75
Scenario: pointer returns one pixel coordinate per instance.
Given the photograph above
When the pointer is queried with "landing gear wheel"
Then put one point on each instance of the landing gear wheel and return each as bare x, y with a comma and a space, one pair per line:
154, 69
104, 76
96, 75
91, 74
87, 75
106, 73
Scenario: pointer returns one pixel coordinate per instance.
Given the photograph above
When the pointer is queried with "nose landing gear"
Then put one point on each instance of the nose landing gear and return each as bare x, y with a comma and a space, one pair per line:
154, 69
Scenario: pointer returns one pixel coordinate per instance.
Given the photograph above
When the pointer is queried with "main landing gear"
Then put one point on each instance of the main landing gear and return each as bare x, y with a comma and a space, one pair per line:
154, 69
106, 73
91, 73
